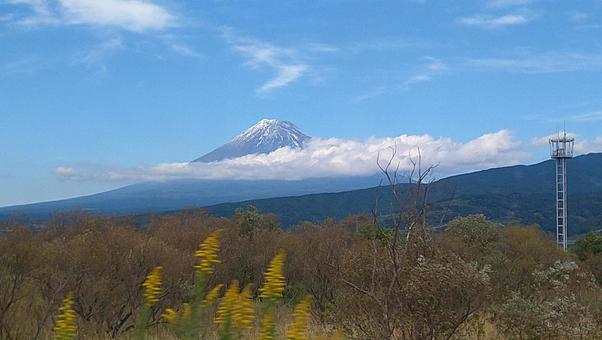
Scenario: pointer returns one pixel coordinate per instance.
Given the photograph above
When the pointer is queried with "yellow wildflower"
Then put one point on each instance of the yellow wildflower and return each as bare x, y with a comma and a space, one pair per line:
300, 323
245, 314
185, 311
274, 279
267, 327
152, 286
213, 294
65, 327
227, 307
169, 315
207, 252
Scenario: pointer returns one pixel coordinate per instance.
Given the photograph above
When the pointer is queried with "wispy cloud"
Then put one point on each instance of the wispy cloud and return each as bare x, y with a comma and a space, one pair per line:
491, 22
594, 116
434, 67
184, 50
507, 3
26, 65
582, 145
576, 118
425, 72
327, 157
96, 57
131, 15
284, 62
285, 75
552, 62
545, 140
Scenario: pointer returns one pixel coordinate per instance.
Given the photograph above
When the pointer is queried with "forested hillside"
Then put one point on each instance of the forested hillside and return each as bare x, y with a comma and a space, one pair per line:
517, 194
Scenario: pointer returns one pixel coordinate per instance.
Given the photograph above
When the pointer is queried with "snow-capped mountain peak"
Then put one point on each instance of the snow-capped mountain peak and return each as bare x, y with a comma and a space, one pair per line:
264, 137
273, 132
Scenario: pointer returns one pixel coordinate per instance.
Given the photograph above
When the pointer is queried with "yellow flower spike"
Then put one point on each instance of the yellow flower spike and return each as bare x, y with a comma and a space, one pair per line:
169, 315
152, 286
65, 327
267, 327
185, 311
298, 329
273, 288
228, 306
207, 252
213, 294
245, 314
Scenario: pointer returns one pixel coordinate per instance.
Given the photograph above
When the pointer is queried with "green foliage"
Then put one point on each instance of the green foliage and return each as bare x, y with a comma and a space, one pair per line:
587, 246
250, 220
474, 231
375, 232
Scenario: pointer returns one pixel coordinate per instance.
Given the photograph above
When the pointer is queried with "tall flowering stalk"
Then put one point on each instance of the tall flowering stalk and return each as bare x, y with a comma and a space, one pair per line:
235, 312
267, 326
152, 286
152, 290
213, 294
272, 291
298, 329
273, 288
187, 324
246, 313
65, 327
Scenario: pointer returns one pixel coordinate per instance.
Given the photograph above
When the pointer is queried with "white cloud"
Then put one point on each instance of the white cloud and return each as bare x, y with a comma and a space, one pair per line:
552, 62
595, 116
426, 72
284, 62
582, 145
328, 157
286, 74
96, 56
545, 140
26, 65
433, 68
587, 117
184, 50
64, 171
132, 15
489, 22
507, 3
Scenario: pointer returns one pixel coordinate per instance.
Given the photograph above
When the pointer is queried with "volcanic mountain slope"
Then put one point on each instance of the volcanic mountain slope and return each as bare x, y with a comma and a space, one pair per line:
264, 137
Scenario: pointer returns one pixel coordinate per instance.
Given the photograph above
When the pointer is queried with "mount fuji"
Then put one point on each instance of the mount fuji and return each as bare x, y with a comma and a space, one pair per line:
264, 137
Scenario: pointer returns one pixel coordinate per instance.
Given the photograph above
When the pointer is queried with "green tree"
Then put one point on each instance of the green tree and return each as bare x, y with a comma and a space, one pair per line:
589, 245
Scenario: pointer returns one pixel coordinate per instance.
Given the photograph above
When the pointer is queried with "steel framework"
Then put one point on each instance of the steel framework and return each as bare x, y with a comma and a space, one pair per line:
561, 149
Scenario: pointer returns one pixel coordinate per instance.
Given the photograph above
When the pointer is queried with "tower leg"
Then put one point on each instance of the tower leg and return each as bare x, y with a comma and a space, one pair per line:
561, 222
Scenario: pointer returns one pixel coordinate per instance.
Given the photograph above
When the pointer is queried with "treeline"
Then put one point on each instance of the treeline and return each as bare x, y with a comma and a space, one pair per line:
476, 280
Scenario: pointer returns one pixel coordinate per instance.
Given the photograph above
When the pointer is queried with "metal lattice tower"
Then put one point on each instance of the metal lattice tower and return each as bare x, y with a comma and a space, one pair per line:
561, 149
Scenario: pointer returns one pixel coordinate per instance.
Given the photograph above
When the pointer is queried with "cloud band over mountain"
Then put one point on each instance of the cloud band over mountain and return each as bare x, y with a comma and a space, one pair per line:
325, 158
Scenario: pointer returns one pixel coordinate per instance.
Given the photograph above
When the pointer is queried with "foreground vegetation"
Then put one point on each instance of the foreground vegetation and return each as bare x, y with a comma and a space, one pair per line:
476, 280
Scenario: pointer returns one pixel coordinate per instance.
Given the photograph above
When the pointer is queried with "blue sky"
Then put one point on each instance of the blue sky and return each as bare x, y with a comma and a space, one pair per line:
126, 86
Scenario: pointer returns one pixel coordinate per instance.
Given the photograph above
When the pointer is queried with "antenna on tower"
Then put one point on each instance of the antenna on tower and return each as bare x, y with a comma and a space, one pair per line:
561, 149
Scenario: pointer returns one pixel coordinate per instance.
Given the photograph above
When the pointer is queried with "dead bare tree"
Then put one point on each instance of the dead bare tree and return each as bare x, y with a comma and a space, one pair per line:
409, 289
390, 255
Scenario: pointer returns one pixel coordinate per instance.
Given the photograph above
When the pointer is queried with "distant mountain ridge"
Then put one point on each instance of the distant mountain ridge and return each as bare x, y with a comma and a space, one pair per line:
264, 137
516, 194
